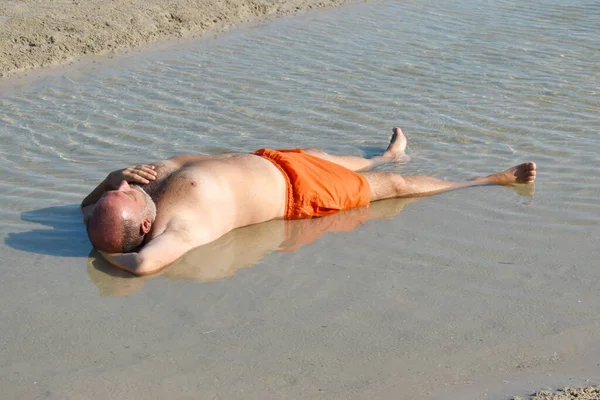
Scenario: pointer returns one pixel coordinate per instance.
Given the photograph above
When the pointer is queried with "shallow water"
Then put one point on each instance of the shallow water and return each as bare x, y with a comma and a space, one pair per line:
484, 279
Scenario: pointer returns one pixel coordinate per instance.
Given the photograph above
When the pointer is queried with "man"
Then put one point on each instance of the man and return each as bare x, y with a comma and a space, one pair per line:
190, 200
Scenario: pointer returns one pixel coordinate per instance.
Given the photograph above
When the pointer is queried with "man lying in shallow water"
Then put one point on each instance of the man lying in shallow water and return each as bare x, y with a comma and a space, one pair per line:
143, 218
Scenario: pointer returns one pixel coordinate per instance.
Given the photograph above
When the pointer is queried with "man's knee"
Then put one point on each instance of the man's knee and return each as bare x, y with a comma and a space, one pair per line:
397, 184
385, 185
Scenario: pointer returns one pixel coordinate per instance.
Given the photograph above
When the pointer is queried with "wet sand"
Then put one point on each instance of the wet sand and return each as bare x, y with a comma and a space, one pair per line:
40, 34
241, 334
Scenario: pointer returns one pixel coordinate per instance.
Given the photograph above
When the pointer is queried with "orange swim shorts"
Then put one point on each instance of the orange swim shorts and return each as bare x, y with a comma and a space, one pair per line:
316, 187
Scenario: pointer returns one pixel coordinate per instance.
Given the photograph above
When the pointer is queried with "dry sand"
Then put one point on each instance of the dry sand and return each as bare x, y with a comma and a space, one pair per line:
589, 393
41, 33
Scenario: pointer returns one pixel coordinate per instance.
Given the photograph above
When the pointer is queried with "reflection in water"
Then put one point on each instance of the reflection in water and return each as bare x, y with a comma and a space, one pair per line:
241, 248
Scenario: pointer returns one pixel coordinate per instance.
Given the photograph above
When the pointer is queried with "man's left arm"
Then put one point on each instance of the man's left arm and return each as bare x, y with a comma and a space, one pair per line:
158, 254
127, 261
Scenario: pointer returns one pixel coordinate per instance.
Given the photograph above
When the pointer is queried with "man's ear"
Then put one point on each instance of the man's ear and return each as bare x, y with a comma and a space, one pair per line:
145, 226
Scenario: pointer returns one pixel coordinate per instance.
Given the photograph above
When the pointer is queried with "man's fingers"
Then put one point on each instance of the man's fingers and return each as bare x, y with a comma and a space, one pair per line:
144, 171
139, 176
141, 179
149, 169
142, 166
147, 175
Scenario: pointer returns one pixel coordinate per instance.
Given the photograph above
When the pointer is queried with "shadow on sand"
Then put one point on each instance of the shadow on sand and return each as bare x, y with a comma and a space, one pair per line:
66, 236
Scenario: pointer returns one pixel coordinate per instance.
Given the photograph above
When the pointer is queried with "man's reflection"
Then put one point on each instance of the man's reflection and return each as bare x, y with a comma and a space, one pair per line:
242, 248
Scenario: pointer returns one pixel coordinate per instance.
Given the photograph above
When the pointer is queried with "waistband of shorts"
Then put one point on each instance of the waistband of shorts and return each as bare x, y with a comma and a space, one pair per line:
270, 155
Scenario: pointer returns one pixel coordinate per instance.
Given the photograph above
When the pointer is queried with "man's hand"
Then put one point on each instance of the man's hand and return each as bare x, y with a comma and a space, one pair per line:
142, 174
128, 261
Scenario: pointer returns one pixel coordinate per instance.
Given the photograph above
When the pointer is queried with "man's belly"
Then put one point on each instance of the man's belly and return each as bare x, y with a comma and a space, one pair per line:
258, 191
226, 193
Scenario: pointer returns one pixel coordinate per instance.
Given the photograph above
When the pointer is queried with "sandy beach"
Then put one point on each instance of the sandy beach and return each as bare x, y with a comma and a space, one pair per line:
46, 33
588, 393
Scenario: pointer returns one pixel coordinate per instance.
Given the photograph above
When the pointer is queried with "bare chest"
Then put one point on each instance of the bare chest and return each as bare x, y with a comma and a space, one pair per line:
178, 187
222, 194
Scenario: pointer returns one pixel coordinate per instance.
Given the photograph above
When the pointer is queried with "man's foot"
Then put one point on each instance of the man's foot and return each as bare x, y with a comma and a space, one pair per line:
522, 173
395, 151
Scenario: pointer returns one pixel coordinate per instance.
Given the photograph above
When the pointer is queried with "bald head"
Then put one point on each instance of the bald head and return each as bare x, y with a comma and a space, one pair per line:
106, 228
120, 219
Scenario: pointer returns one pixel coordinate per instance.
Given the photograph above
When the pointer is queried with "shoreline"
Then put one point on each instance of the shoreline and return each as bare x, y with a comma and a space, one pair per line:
42, 36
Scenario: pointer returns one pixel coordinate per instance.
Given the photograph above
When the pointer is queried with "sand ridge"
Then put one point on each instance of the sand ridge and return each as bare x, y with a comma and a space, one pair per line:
588, 393
42, 33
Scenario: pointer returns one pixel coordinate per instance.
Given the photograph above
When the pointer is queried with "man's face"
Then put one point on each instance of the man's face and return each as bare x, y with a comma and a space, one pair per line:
125, 202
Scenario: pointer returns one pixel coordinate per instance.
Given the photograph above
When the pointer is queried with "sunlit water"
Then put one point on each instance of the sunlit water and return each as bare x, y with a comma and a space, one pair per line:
476, 87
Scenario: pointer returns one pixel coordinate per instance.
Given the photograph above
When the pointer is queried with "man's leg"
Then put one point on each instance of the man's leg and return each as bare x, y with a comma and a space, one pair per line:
394, 153
386, 185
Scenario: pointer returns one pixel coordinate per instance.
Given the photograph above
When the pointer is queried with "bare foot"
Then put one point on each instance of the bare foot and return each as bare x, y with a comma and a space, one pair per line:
522, 173
395, 150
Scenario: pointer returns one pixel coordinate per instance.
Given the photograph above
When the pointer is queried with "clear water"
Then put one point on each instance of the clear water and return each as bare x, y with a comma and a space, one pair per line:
476, 87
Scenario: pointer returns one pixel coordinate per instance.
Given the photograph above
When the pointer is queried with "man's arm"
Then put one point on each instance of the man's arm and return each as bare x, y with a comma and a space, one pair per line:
141, 174
158, 254
128, 261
